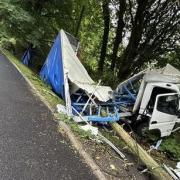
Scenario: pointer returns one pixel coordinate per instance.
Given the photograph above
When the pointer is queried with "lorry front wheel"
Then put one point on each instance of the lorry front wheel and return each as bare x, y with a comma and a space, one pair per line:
142, 129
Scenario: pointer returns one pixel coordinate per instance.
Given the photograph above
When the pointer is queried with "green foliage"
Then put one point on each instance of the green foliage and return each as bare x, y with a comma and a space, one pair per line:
110, 79
83, 134
32, 21
172, 58
12, 14
74, 126
36, 22
114, 139
90, 35
171, 146
13, 18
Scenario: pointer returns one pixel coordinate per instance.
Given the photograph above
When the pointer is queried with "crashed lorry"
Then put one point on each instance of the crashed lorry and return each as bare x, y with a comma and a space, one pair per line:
150, 100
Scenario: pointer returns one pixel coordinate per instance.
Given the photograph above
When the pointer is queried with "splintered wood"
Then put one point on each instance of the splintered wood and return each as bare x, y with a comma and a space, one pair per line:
156, 169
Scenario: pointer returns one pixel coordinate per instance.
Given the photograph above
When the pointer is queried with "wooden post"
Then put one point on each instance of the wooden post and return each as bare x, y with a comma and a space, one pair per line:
151, 164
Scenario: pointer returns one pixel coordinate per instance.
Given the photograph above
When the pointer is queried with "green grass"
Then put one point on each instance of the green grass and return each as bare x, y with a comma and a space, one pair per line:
74, 126
114, 139
171, 145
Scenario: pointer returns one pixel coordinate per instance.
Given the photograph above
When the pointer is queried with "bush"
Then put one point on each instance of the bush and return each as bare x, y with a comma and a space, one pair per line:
171, 145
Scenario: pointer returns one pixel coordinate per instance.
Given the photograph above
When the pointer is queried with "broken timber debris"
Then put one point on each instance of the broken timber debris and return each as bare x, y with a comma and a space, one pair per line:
151, 164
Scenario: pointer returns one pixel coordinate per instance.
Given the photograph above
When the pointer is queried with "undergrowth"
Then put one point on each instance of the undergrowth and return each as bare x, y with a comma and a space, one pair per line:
74, 126
171, 145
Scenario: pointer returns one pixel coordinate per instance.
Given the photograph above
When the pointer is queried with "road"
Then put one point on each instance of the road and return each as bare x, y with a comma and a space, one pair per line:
30, 146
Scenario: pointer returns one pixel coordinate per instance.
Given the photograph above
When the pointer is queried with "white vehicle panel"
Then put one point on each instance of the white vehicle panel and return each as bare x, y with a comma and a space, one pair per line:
164, 114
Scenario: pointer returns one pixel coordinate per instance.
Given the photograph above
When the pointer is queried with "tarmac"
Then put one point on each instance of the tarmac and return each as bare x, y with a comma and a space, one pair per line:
31, 148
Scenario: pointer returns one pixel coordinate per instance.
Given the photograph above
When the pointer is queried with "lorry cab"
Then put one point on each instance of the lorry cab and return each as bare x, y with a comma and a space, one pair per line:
151, 98
160, 107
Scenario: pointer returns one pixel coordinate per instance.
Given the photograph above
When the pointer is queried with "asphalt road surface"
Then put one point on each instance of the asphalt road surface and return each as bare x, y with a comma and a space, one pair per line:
30, 146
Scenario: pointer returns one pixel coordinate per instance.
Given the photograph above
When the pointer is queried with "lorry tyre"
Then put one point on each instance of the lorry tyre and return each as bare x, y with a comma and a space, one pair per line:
142, 129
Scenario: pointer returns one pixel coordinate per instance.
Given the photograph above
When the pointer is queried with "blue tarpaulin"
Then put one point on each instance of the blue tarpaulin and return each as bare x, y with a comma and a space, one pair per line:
64, 72
52, 71
27, 57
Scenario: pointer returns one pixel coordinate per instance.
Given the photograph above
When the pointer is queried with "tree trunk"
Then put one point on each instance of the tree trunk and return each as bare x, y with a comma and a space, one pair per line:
151, 164
79, 21
119, 31
124, 72
106, 16
130, 53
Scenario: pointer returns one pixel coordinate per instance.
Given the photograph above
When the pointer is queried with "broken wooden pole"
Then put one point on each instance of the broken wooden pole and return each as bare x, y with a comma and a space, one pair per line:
151, 164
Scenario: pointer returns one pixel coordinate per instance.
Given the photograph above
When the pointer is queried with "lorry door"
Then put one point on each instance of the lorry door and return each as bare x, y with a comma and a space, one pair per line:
164, 113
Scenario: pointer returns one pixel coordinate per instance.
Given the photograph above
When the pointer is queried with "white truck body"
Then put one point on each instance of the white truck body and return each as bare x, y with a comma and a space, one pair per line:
157, 98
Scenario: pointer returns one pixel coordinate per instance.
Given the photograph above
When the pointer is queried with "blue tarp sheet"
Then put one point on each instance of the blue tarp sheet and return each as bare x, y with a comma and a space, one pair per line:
52, 71
61, 58
27, 57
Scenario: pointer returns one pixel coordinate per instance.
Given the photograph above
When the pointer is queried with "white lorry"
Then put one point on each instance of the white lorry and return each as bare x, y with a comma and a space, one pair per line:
152, 100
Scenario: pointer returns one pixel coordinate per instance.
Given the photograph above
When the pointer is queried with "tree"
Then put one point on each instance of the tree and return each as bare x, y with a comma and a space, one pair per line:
145, 29
13, 18
154, 31
37, 22
119, 32
106, 18
90, 36
117, 36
